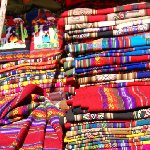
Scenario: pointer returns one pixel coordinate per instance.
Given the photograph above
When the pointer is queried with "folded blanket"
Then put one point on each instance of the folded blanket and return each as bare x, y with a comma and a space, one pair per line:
12, 56
89, 30
134, 130
120, 83
143, 66
120, 32
23, 52
109, 17
110, 43
103, 61
52, 73
98, 145
116, 23
100, 98
75, 34
32, 62
13, 89
115, 52
107, 62
24, 62
67, 88
110, 54
109, 68
106, 124
144, 146
132, 53
132, 115
88, 11
108, 137
39, 79
136, 82
95, 145
113, 77
15, 84
45, 66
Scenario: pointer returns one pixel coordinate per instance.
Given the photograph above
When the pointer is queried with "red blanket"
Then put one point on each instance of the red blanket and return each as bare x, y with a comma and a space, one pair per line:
87, 11
29, 121
100, 98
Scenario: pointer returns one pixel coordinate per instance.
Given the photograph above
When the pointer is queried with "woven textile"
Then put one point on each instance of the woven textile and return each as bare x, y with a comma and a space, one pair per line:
109, 17
105, 43
146, 147
117, 23
119, 146
133, 130
106, 124
97, 98
113, 77
40, 61
52, 73
48, 62
112, 68
87, 11
29, 121
135, 115
108, 54
119, 32
12, 56
107, 62
102, 61
89, 30
44, 77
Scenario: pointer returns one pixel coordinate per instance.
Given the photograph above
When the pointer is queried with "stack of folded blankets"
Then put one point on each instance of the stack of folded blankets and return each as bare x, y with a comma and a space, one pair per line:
107, 118
107, 45
108, 54
40, 65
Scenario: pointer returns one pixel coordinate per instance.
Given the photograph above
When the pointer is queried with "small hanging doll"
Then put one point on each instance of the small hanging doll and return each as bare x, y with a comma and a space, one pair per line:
23, 31
46, 38
13, 38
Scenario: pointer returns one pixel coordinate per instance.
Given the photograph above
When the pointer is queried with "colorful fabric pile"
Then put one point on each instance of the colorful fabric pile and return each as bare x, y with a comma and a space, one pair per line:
108, 54
32, 83
30, 121
107, 45
41, 64
88, 72
108, 118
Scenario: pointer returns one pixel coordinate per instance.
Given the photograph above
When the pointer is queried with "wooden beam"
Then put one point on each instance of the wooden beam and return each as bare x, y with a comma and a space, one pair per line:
2, 15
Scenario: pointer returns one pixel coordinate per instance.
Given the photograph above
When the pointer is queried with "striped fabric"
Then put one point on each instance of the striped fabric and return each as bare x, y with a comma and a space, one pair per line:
108, 17
29, 121
110, 43
87, 11
108, 54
